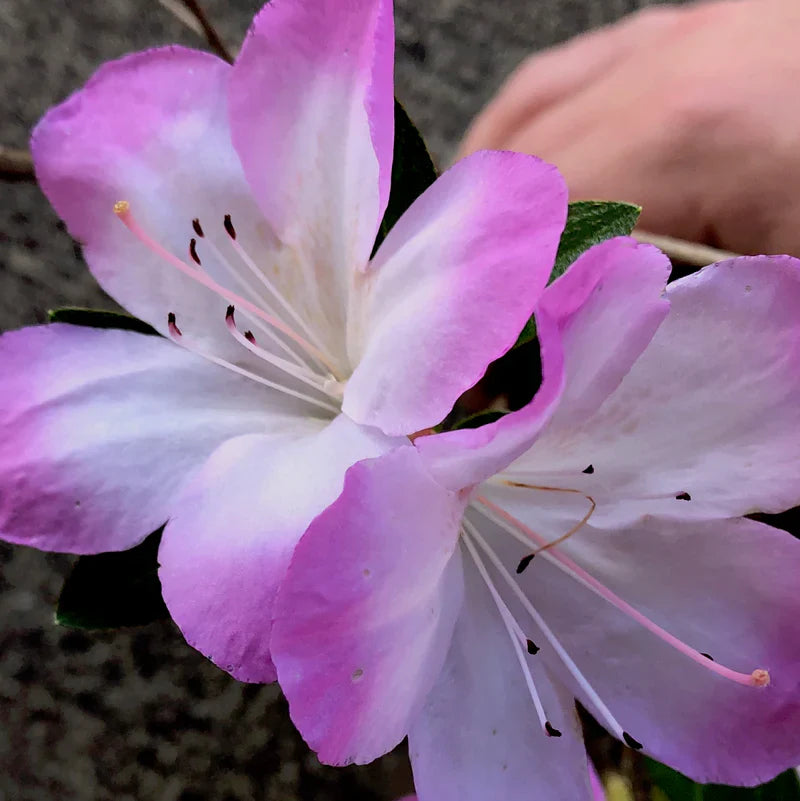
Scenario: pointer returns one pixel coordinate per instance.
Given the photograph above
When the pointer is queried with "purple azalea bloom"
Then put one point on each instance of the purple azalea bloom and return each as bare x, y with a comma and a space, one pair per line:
235, 208
664, 416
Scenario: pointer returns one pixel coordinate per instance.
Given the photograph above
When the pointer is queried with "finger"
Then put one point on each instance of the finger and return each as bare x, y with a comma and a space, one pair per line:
546, 78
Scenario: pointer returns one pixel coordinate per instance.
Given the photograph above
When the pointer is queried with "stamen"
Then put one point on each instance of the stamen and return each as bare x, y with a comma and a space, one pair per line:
589, 470
177, 337
248, 335
253, 267
683, 496
299, 373
611, 722
123, 211
301, 359
198, 229
512, 628
523, 534
193, 252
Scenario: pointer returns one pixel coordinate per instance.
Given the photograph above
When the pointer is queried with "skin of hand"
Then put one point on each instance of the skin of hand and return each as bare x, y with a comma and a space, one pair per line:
692, 112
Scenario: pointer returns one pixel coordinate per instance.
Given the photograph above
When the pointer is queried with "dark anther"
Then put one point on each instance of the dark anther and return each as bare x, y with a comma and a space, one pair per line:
683, 496
198, 229
524, 562
533, 648
229, 227
171, 318
551, 730
229, 312
589, 469
193, 251
635, 744
171, 323
707, 656
248, 335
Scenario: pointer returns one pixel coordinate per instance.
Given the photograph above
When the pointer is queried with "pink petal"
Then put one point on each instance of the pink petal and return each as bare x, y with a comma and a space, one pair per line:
451, 288
478, 736
151, 129
707, 422
726, 588
364, 616
233, 530
592, 323
101, 427
312, 115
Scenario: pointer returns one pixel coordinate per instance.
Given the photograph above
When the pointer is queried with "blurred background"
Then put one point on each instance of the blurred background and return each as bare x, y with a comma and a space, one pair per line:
137, 714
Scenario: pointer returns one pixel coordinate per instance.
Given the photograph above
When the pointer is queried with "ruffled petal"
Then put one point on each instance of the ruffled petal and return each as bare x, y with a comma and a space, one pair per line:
451, 288
152, 129
312, 115
725, 588
233, 530
364, 616
706, 424
101, 427
478, 736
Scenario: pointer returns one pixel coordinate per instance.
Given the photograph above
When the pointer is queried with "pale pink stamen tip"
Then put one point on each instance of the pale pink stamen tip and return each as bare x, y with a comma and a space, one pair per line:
760, 678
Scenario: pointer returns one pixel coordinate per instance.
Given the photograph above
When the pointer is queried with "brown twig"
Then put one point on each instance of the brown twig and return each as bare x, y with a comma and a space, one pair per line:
687, 252
15, 164
208, 30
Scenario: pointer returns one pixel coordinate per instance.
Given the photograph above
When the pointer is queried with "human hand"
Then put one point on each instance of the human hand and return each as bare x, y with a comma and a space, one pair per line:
691, 112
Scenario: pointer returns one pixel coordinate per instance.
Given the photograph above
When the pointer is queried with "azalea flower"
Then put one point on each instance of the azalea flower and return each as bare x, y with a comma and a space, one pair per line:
589, 546
235, 208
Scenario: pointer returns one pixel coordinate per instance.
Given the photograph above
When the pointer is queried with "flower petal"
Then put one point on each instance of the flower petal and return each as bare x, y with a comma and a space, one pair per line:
707, 423
478, 736
364, 616
726, 588
101, 427
451, 287
592, 323
312, 115
152, 129
233, 530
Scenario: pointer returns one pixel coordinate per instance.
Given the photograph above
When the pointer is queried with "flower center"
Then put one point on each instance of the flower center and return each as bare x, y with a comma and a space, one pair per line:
305, 360
479, 550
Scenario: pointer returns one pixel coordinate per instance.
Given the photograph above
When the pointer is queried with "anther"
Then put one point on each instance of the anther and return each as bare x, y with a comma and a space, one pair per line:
231, 231
635, 744
248, 335
589, 470
533, 648
524, 562
121, 207
551, 730
193, 251
229, 313
707, 656
683, 496
198, 229
173, 328
760, 678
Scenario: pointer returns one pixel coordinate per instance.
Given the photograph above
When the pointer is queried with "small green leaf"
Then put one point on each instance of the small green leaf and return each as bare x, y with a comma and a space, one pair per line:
589, 222
676, 787
412, 171
96, 318
112, 590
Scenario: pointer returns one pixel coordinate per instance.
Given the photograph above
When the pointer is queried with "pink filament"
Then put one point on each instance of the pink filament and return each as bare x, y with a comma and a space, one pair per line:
758, 678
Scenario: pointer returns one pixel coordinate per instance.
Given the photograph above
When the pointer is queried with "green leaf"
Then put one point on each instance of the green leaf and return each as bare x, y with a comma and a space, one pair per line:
96, 318
111, 590
412, 171
674, 786
589, 222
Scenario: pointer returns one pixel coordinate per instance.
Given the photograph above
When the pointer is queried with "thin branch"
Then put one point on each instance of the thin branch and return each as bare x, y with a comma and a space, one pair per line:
687, 252
15, 165
191, 14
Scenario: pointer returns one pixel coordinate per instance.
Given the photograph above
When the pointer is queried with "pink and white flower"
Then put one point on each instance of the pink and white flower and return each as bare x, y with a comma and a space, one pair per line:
260, 187
662, 419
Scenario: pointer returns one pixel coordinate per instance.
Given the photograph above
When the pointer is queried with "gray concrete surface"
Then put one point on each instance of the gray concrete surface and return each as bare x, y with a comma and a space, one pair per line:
138, 714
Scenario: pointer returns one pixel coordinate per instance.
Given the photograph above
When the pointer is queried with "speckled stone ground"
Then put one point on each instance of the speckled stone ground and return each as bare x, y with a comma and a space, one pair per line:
138, 714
